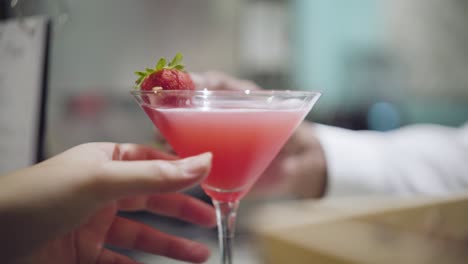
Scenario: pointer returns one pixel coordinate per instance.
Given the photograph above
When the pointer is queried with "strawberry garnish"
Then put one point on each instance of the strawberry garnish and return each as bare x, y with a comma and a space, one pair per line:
166, 77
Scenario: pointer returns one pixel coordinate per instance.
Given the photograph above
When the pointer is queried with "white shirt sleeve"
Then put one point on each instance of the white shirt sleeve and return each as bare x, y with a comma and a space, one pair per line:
427, 159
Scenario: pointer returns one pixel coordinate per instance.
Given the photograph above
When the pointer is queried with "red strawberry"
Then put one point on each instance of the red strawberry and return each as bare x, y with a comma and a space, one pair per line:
167, 77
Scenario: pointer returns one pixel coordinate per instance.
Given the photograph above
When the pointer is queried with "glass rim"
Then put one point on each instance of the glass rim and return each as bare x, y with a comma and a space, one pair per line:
232, 92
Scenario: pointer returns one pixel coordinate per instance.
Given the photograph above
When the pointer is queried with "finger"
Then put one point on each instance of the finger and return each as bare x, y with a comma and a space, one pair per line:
128, 234
111, 257
272, 182
98, 224
236, 84
116, 179
306, 175
175, 205
209, 80
220, 81
198, 80
132, 152
139, 152
297, 142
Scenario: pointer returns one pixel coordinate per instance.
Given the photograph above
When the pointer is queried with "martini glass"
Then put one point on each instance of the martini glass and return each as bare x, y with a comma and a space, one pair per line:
244, 130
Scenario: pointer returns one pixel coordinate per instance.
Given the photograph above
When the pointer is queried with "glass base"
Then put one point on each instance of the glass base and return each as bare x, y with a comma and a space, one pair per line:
224, 195
226, 213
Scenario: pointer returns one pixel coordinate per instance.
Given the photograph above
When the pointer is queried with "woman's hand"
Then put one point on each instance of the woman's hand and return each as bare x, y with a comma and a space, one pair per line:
64, 210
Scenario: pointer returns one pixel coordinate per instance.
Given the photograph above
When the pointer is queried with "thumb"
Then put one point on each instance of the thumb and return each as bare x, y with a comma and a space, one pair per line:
117, 179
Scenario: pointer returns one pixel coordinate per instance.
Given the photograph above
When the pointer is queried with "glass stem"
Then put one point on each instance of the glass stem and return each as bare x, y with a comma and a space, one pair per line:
226, 217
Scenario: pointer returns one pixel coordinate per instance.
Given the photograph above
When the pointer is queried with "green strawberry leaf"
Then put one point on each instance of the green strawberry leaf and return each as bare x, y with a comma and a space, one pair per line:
176, 60
141, 77
161, 64
176, 63
139, 80
179, 67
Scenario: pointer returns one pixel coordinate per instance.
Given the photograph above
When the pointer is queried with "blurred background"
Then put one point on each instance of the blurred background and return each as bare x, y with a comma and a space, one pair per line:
380, 64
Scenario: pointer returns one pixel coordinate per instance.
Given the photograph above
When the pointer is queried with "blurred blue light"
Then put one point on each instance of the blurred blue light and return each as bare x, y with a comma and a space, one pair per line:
383, 116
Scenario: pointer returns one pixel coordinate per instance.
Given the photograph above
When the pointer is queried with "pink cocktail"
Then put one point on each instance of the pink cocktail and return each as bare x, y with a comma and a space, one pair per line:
243, 129
243, 142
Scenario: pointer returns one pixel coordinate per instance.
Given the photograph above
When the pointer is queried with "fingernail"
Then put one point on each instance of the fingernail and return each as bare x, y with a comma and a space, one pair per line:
197, 165
199, 253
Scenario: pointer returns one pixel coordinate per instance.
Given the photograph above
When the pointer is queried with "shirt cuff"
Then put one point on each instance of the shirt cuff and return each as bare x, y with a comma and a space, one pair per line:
354, 164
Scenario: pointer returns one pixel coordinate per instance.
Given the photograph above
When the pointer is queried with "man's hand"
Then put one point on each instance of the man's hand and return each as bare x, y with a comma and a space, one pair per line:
299, 169
213, 80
